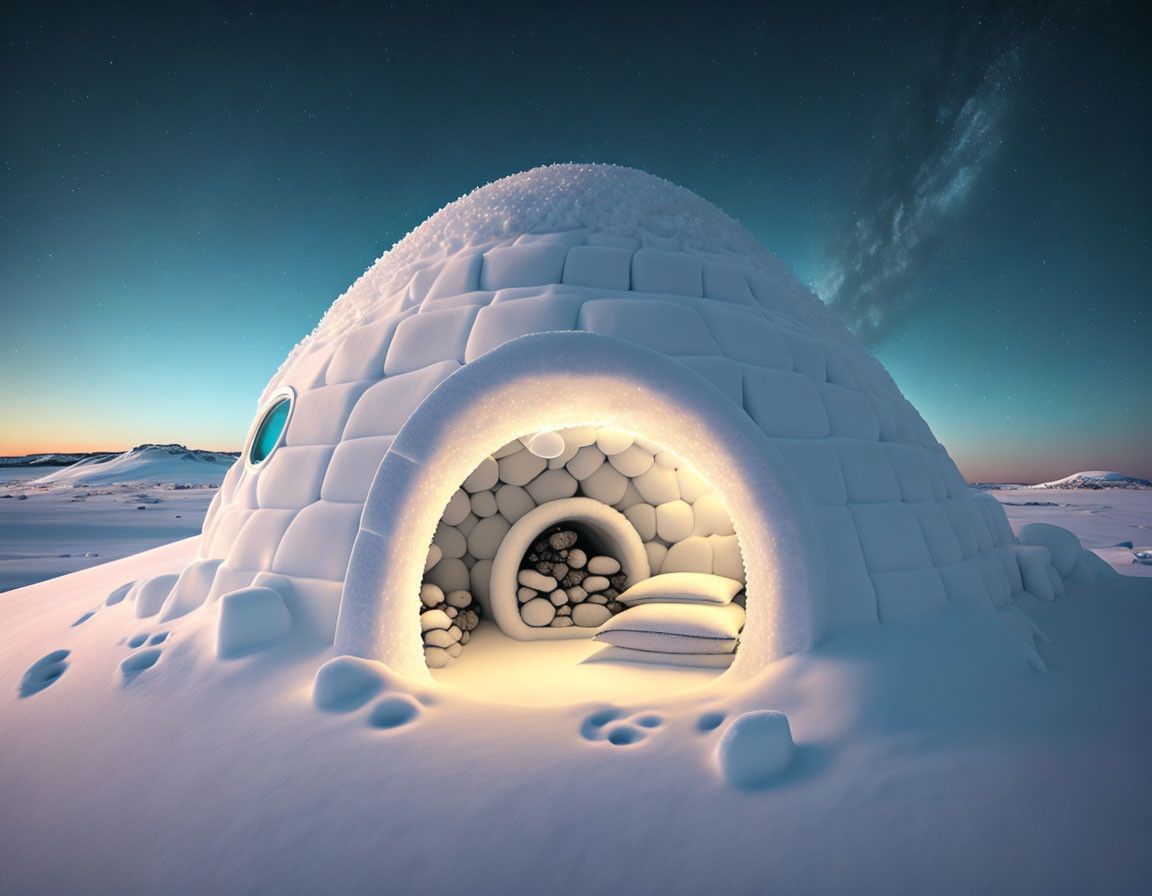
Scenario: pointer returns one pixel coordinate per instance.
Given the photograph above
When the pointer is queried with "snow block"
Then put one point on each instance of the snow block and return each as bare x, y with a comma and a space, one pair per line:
360, 356
598, 267
725, 375
909, 470
152, 592
849, 413
384, 408
250, 619
868, 473
755, 749
318, 416
964, 585
1064, 546
854, 595
784, 405
678, 273
668, 327
890, 537
428, 338
817, 466
319, 541
353, 467
1034, 561
191, 589
807, 356
727, 282
292, 476
938, 533
748, 339
460, 274
254, 547
909, 594
527, 265
502, 321
347, 683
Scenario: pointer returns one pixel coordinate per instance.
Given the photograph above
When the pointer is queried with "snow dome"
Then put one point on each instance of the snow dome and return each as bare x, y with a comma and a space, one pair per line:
569, 383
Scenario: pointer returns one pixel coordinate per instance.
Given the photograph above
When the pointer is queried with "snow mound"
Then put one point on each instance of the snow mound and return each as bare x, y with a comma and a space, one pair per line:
146, 464
1097, 479
755, 749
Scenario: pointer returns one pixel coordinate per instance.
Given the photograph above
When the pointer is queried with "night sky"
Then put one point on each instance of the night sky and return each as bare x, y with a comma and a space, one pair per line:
183, 194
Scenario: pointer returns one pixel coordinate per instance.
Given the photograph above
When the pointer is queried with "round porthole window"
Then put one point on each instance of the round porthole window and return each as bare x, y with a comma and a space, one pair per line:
270, 430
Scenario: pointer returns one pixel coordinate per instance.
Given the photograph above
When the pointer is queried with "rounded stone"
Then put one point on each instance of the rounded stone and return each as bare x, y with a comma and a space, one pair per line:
538, 612
484, 504
590, 615
431, 595
484, 477
604, 566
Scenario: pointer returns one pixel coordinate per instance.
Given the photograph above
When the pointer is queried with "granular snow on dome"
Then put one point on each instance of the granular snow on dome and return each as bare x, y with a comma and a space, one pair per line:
608, 204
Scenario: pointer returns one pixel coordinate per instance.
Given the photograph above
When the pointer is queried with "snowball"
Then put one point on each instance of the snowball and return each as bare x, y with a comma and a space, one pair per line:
586, 462
755, 749
658, 485
458, 508
643, 520
251, 618
484, 504
552, 485
656, 555
606, 485
693, 554
484, 540
710, 517
521, 468
513, 502
483, 477
613, 441
674, 521
451, 542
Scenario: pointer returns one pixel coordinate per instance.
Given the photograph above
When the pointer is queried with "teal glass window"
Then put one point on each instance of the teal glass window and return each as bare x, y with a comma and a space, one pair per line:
269, 431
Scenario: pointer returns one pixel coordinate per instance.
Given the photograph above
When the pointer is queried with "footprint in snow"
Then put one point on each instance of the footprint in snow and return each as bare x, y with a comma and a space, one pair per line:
84, 618
138, 662
599, 726
43, 672
394, 712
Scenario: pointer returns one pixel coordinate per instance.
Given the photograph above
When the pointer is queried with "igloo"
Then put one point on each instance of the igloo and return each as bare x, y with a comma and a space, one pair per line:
590, 346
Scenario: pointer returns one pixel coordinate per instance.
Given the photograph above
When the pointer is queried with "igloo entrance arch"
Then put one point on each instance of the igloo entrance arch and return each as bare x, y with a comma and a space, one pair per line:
600, 381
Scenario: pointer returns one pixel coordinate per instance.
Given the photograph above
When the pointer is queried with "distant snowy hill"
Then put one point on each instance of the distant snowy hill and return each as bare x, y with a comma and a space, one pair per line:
1097, 479
146, 464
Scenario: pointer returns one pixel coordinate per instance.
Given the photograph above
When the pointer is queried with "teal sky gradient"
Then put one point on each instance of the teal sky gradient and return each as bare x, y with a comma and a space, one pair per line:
183, 195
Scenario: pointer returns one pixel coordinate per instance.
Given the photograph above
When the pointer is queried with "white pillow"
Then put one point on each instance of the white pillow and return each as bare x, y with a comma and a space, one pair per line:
692, 587
675, 628
612, 654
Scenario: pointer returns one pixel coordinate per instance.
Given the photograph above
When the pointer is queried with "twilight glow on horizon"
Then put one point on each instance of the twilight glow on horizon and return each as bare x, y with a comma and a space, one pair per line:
184, 195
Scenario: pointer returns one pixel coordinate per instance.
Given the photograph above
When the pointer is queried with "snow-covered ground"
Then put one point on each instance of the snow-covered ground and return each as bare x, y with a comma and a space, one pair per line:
1104, 519
57, 520
932, 757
